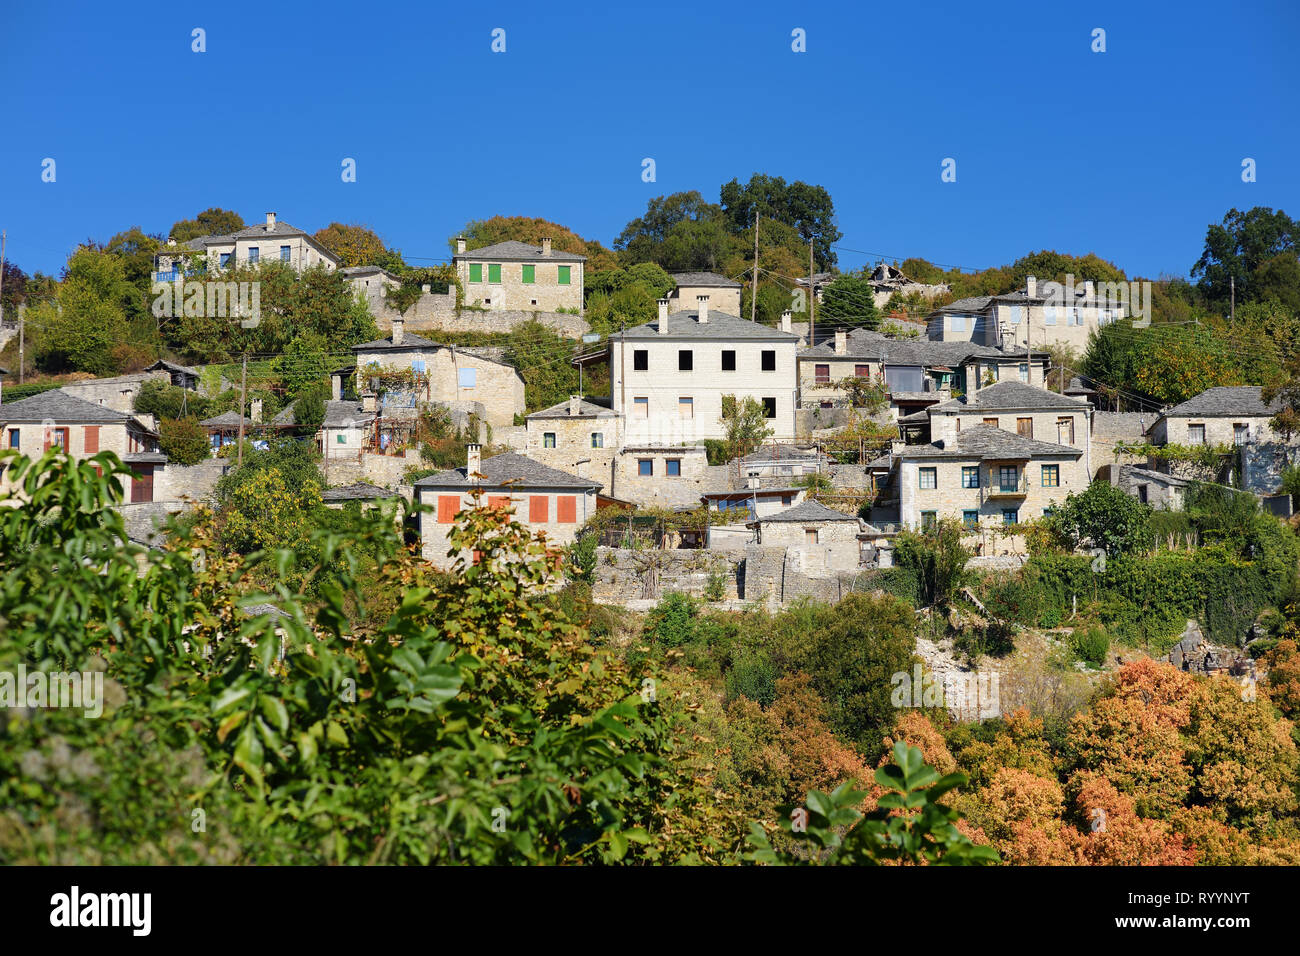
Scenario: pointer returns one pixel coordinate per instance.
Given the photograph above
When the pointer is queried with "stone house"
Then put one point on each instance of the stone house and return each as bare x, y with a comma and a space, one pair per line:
663, 476
887, 280
544, 499
809, 523
986, 477
345, 432
782, 462
118, 393
668, 377
272, 240
1225, 415
747, 506
723, 293
370, 282
1038, 315
81, 428
579, 436
460, 378
1155, 488
181, 376
517, 276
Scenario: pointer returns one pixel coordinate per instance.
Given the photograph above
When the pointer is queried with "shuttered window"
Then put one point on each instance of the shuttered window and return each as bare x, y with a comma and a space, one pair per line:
530, 274
476, 272
538, 509
92, 439
566, 509
494, 272
564, 275
448, 505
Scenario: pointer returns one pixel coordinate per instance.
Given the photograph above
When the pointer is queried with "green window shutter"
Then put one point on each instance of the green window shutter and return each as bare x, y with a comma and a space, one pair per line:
530, 273
564, 275
494, 272
476, 272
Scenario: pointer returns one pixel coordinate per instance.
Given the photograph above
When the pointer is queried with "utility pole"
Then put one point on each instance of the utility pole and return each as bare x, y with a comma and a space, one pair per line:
753, 298
812, 299
22, 329
3, 233
243, 392
1232, 286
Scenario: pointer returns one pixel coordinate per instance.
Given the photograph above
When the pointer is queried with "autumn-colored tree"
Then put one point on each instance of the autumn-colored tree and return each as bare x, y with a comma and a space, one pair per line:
358, 245
1116, 835
1283, 683
531, 229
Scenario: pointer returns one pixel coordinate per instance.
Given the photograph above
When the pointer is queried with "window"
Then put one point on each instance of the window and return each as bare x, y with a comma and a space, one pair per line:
417, 366
728, 360
810, 535
1051, 476
991, 421
1024, 372
467, 377
959, 323
673, 467
253, 253
58, 438
786, 500
769, 360
970, 519
1065, 431
494, 273
284, 253
597, 439
530, 275
970, 476
1049, 315
685, 407
566, 509
341, 440
548, 439
769, 408
645, 467
640, 360
641, 407
992, 371
224, 258
1008, 478
476, 272
821, 374
1196, 434
1015, 315
563, 275
448, 505
1142, 493
1025, 427
1240, 434
862, 371
928, 478
685, 360
1010, 516
498, 502
928, 520
538, 509
13, 438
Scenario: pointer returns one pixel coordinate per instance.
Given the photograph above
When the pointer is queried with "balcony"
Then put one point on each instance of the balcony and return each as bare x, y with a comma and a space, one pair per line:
174, 274
995, 487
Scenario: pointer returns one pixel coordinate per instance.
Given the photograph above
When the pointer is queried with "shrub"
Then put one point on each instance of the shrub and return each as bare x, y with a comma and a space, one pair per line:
672, 622
1049, 617
183, 441
716, 587
753, 675
1090, 644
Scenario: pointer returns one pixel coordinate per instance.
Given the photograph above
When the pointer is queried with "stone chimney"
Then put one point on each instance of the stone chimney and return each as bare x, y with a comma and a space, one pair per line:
703, 301
270, 222
546, 245
399, 329
785, 321
841, 342
751, 481
473, 460
575, 406
336, 388
171, 240
663, 316
255, 411
1031, 286
369, 401
1088, 289
460, 245
972, 379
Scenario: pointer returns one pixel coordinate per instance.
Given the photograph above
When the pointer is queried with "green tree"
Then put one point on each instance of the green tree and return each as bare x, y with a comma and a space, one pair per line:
183, 440
938, 558
1237, 247
211, 222
807, 208
745, 425
83, 332
1103, 516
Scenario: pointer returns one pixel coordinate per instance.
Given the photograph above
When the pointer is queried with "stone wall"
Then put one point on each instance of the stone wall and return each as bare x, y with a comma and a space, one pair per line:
172, 482
1262, 465
436, 311
116, 393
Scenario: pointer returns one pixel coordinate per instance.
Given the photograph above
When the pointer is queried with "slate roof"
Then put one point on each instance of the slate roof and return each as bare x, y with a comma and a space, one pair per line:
985, 442
1010, 396
281, 230
58, 406
357, 491
686, 324
514, 251
807, 511
352, 271
1225, 401
164, 365
512, 469
709, 280
586, 409
410, 343
345, 414
780, 453
3, 370
225, 420
868, 344
1159, 477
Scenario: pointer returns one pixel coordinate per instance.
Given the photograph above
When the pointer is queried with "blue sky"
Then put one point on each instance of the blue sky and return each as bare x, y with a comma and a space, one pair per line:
1129, 153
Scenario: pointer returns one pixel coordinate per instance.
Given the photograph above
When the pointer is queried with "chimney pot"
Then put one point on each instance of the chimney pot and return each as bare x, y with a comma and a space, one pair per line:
785, 321
255, 411
1031, 286
575, 406
473, 460
1088, 289
270, 222
841, 342
460, 245
399, 325
546, 245
171, 240
369, 401
663, 316
703, 301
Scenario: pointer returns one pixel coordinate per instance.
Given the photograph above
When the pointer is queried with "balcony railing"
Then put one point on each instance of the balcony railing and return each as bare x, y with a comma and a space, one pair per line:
995, 487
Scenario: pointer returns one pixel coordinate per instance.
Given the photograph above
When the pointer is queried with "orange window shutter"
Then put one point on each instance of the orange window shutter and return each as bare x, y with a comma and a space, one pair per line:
448, 505
497, 502
538, 510
92, 439
566, 509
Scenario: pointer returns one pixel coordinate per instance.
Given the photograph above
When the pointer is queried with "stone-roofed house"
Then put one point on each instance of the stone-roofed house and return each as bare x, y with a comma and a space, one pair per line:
181, 376
888, 280
807, 523
1224, 415
269, 241
520, 276
372, 282
1041, 314
543, 498
668, 377
782, 461
366, 496
723, 293
345, 431
579, 436
55, 419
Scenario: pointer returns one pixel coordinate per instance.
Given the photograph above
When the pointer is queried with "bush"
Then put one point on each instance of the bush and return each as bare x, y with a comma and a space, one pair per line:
716, 587
1014, 600
672, 622
183, 441
1091, 645
1049, 617
939, 559
753, 675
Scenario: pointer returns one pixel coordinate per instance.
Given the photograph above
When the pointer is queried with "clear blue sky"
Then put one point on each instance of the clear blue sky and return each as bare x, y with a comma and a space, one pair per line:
1129, 154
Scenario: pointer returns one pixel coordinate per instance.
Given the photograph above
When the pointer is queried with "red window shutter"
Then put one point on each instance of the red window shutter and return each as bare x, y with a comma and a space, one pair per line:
498, 502
566, 509
92, 439
448, 505
538, 509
